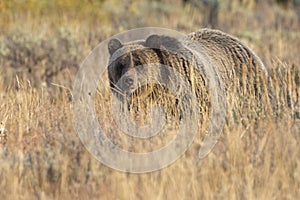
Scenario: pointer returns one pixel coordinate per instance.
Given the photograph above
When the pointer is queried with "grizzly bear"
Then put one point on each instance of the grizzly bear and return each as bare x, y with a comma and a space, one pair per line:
227, 55
210, 60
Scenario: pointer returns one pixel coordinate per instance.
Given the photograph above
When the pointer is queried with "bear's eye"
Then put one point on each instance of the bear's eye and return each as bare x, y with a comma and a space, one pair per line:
139, 66
138, 63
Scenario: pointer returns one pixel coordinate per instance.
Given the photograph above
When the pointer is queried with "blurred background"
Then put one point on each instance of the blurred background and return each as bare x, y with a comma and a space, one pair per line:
42, 38
43, 43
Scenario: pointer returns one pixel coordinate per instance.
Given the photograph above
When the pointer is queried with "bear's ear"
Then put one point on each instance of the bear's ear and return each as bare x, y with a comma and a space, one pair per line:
154, 41
113, 45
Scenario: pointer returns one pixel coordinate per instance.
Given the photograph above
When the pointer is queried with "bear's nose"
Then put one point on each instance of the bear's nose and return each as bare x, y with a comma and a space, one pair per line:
128, 81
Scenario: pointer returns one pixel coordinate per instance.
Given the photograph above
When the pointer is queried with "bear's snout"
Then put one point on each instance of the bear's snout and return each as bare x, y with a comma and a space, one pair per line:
127, 84
128, 81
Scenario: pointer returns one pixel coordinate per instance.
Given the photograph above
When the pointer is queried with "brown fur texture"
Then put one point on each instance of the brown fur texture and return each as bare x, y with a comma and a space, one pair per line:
228, 53
200, 57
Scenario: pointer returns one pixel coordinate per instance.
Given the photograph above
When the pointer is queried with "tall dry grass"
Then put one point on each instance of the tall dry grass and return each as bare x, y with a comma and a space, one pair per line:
42, 44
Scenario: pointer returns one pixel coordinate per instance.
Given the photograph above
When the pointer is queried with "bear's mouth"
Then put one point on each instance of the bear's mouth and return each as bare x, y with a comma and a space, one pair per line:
128, 93
139, 92
133, 91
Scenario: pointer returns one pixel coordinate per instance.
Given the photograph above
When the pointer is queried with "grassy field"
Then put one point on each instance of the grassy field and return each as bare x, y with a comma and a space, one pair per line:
43, 43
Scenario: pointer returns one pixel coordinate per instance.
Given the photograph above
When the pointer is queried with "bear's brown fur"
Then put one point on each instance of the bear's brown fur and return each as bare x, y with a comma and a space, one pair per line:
192, 56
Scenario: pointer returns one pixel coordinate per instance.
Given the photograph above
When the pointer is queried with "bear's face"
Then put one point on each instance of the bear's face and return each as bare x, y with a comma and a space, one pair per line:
126, 60
129, 60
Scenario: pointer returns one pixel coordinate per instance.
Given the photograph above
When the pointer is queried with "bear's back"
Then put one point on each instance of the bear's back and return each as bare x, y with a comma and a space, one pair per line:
227, 52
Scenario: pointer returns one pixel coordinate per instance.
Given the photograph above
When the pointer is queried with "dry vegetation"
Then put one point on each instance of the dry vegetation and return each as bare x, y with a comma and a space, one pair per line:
42, 44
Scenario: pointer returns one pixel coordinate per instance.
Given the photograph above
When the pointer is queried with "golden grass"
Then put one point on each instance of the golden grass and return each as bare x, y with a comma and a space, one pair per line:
41, 156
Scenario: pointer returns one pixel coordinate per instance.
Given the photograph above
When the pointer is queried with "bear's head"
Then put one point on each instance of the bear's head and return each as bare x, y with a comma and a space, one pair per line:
128, 62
